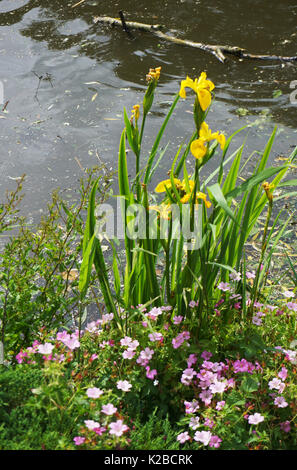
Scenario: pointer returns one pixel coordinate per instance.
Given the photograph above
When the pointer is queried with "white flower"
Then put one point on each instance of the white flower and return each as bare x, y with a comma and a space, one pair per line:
46, 348
255, 418
218, 387
90, 424
288, 294
124, 385
194, 423
203, 436
275, 383
280, 402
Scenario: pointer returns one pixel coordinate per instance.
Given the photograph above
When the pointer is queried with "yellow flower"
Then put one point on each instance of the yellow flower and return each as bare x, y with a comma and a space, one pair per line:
202, 88
199, 195
154, 74
135, 112
164, 210
167, 183
198, 148
203, 197
191, 185
206, 134
268, 187
221, 139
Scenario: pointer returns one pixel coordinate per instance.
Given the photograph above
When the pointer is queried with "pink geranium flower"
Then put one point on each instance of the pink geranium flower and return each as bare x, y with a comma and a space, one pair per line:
150, 373
255, 418
118, 428
280, 402
109, 409
45, 348
292, 306
220, 405
126, 341
177, 319
250, 275
91, 425
283, 373
194, 423
203, 436
124, 385
215, 442
154, 313
187, 376
78, 440
224, 286
100, 430
206, 397
191, 406
147, 354
94, 392
288, 294
133, 345
206, 355
107, 317
72, 343
285, 426
183, 437
218, 387
128, 354
275, 384
192, 359
155, 337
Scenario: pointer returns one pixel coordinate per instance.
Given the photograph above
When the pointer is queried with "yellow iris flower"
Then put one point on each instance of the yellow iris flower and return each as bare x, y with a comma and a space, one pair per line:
186, 195
198, 147
268, 188
180, 185
135, 112
164, 210
199, 195
154, 74
167, 183
202, 87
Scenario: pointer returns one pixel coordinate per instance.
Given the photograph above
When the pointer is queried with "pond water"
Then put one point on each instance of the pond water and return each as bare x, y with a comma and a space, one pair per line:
67, 80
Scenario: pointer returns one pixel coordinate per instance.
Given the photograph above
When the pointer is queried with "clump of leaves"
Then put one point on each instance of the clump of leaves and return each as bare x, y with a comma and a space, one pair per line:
39, 267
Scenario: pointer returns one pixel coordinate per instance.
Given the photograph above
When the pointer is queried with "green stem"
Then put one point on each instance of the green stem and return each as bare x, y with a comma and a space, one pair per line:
138, 189
263, 249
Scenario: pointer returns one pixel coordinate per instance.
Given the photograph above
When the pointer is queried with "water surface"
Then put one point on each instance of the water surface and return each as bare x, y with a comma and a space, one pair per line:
68, 79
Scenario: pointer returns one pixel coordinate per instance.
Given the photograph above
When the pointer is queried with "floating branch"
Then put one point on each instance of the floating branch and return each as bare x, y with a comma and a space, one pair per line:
124, 24
217, 50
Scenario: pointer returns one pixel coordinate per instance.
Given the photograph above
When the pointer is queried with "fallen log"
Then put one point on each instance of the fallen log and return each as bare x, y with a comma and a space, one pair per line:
218, 51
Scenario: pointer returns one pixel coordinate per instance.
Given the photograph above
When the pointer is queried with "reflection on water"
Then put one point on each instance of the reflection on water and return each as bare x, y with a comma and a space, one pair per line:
68, 79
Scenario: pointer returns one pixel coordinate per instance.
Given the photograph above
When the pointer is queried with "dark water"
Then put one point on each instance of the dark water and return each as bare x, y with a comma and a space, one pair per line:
51, 123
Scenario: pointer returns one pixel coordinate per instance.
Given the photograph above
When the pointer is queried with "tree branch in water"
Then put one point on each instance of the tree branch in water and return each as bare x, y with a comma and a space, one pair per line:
218, 51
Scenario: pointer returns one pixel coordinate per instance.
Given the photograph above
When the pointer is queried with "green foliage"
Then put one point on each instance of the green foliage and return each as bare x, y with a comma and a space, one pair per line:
188, 274
39, 270
156, 433
198, 318
8, 209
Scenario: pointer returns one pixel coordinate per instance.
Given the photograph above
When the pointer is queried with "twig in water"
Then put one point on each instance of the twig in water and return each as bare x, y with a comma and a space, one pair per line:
47, 78
5, 105
78, 3
124, 24
218, 51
